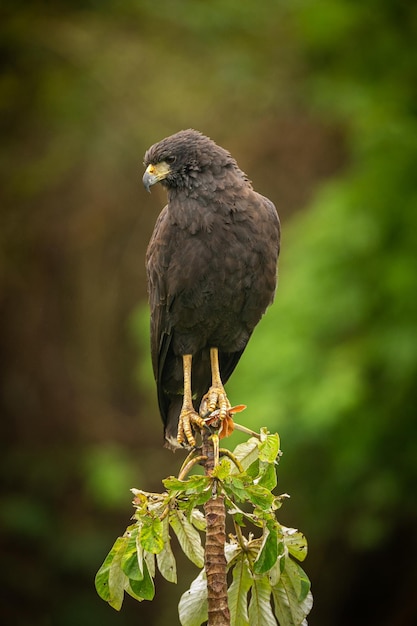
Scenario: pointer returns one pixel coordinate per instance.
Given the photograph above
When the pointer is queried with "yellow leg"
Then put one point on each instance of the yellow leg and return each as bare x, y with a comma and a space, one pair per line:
188, 415
216, 397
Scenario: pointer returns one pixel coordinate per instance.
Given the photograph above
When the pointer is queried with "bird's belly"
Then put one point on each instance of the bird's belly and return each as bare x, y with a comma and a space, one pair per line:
220, 294
221, 314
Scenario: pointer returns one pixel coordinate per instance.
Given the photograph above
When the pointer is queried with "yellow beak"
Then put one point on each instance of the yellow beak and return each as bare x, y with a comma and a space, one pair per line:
154, 173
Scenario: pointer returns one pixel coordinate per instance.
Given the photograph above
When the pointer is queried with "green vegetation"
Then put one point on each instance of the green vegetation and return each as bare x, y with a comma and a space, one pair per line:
317, 101
262, 566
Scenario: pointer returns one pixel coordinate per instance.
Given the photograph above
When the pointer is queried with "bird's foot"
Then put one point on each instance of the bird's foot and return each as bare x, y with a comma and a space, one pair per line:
215, 400
187, 418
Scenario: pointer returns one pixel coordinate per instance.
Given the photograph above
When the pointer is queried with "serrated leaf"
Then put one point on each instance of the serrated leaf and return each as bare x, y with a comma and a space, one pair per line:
268, 552
142, 589
292, 597
151, 534
269, 448
110, 579
165, 559
295, 542
192, 608
238, 592
246, 453
260, 611
188, 537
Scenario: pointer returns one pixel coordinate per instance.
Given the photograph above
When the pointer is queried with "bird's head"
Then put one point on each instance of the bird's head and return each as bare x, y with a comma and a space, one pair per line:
177, 161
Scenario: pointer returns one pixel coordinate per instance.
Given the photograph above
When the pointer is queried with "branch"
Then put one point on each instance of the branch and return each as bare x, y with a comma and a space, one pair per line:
214, 556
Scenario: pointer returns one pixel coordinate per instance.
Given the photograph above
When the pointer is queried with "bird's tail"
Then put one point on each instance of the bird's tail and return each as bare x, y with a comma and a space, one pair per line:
171, 425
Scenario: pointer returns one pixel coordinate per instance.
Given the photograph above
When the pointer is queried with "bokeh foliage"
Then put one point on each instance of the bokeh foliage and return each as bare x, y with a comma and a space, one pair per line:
299, 92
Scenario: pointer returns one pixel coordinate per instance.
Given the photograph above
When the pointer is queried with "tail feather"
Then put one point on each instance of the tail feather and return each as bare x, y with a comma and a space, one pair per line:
171, 425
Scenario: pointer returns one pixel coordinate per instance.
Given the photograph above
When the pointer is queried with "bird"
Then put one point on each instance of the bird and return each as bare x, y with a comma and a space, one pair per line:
211, 267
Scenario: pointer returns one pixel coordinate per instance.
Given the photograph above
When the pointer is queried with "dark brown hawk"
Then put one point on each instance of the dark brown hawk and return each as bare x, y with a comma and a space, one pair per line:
211, 267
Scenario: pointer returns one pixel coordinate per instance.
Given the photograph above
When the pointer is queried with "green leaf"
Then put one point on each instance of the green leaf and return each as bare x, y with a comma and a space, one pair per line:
172, 483
239, 515
253, 470
274, 573
142, 589
149, 559
130, 591
298, 578
295, 542
247, 453
165, 559
267, 476
260, 611
236, 486
110, 579
188, 537
140, 554
166, 564
192, 608
193, 485
292, 597
117, 582
130, 561
189, 493
259, 496
268, 552
151, 534
269, 448
102, 576
222, 469
238, 592
197, 499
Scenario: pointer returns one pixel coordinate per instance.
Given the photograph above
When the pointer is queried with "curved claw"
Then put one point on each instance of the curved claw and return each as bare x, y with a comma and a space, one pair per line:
215, 398
185, 431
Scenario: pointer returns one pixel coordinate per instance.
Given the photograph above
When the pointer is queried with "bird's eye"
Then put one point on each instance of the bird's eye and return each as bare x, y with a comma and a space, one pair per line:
171, 159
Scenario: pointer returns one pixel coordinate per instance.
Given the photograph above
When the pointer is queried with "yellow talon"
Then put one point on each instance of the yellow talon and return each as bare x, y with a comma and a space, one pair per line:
185, 432
216, 397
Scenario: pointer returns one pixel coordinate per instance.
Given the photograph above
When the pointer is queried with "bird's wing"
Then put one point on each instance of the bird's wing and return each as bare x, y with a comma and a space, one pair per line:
257, 301
157, 262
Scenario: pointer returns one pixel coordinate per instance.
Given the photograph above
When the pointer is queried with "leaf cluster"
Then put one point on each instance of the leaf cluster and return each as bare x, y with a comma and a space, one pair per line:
267, 584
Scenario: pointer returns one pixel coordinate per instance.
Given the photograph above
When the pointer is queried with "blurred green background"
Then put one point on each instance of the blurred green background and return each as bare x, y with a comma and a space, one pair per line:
317, 100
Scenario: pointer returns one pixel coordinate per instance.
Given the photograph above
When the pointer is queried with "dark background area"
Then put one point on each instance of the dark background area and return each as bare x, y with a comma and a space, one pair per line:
317, 102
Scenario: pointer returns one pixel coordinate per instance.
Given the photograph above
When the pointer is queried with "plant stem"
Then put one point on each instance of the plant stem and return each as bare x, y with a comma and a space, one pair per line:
214, 557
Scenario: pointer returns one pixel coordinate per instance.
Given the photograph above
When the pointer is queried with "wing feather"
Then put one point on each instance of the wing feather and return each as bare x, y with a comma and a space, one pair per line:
157, 263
